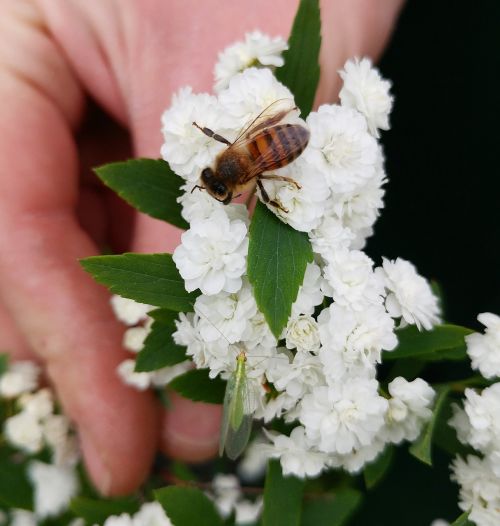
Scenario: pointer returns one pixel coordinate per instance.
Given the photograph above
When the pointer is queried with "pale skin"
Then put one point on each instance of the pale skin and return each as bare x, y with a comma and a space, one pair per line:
130, 56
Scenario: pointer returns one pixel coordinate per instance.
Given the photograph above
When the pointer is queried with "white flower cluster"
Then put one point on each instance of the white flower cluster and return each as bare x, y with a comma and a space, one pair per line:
365, 90
228, 497
20, 377
54, 486
484, 349
479, 489
150, 514
478, 425
323, 376
36, 427
257, 50
135, 316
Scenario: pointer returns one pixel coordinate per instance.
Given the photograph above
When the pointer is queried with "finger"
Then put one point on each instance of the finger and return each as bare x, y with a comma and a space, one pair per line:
61, 312
351, 28
12, 341
100, 140
190, 431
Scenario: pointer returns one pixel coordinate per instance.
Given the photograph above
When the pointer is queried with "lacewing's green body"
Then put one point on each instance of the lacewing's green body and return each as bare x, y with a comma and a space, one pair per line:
237, 417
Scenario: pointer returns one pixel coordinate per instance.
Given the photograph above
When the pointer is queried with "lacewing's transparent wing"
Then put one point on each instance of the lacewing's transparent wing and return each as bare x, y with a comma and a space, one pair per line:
237, 440
228, 396
237, 416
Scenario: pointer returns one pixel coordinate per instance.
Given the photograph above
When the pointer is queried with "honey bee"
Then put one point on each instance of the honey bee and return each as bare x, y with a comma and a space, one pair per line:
264, 145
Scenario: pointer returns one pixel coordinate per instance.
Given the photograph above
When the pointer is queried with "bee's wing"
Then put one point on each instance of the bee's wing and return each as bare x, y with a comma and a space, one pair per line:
234, 439
269, 116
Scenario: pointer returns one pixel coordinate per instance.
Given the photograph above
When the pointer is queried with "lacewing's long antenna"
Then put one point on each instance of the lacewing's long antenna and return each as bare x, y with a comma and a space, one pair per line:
199, 311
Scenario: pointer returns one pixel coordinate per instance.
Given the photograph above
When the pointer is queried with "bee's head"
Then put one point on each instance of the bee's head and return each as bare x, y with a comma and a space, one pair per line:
215, 187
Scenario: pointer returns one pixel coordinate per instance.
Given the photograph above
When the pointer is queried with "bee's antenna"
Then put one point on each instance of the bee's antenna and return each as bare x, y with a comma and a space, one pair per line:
199, 187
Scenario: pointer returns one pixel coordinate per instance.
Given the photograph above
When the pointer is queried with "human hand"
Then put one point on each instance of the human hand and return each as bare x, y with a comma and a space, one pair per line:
130, 57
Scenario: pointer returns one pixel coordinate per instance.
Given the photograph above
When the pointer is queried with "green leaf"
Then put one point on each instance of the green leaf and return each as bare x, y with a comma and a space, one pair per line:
443, 342
282, 498
277, 260
409, 368
96, 511
421, 448
463, 520
188, 506
4, 363
159, 349
197, 386
15, 488
146, 278
148, 185
300, 73
375, 471
331, 511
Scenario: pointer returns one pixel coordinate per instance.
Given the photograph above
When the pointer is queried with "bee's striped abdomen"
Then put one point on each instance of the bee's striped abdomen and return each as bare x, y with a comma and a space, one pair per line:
278, 146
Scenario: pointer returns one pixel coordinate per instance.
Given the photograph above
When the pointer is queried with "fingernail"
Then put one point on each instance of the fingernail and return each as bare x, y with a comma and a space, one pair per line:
96, 465
190, 430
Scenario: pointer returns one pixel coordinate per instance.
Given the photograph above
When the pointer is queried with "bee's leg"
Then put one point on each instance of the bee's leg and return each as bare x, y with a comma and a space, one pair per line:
212, 135
282, 178
266, 199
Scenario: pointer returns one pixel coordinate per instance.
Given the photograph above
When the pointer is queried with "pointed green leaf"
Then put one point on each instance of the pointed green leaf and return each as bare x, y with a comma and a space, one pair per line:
277, 260
148, 185
375, 471
443, 342
159, 349
422, 447
300, 73
4, 363
196, 385
334, 510
147, 278
282, 498
188, 506
463, 520
96, 511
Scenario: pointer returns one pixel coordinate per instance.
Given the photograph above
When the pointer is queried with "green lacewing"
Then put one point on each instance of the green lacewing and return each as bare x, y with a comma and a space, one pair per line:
237, 416
238, 413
